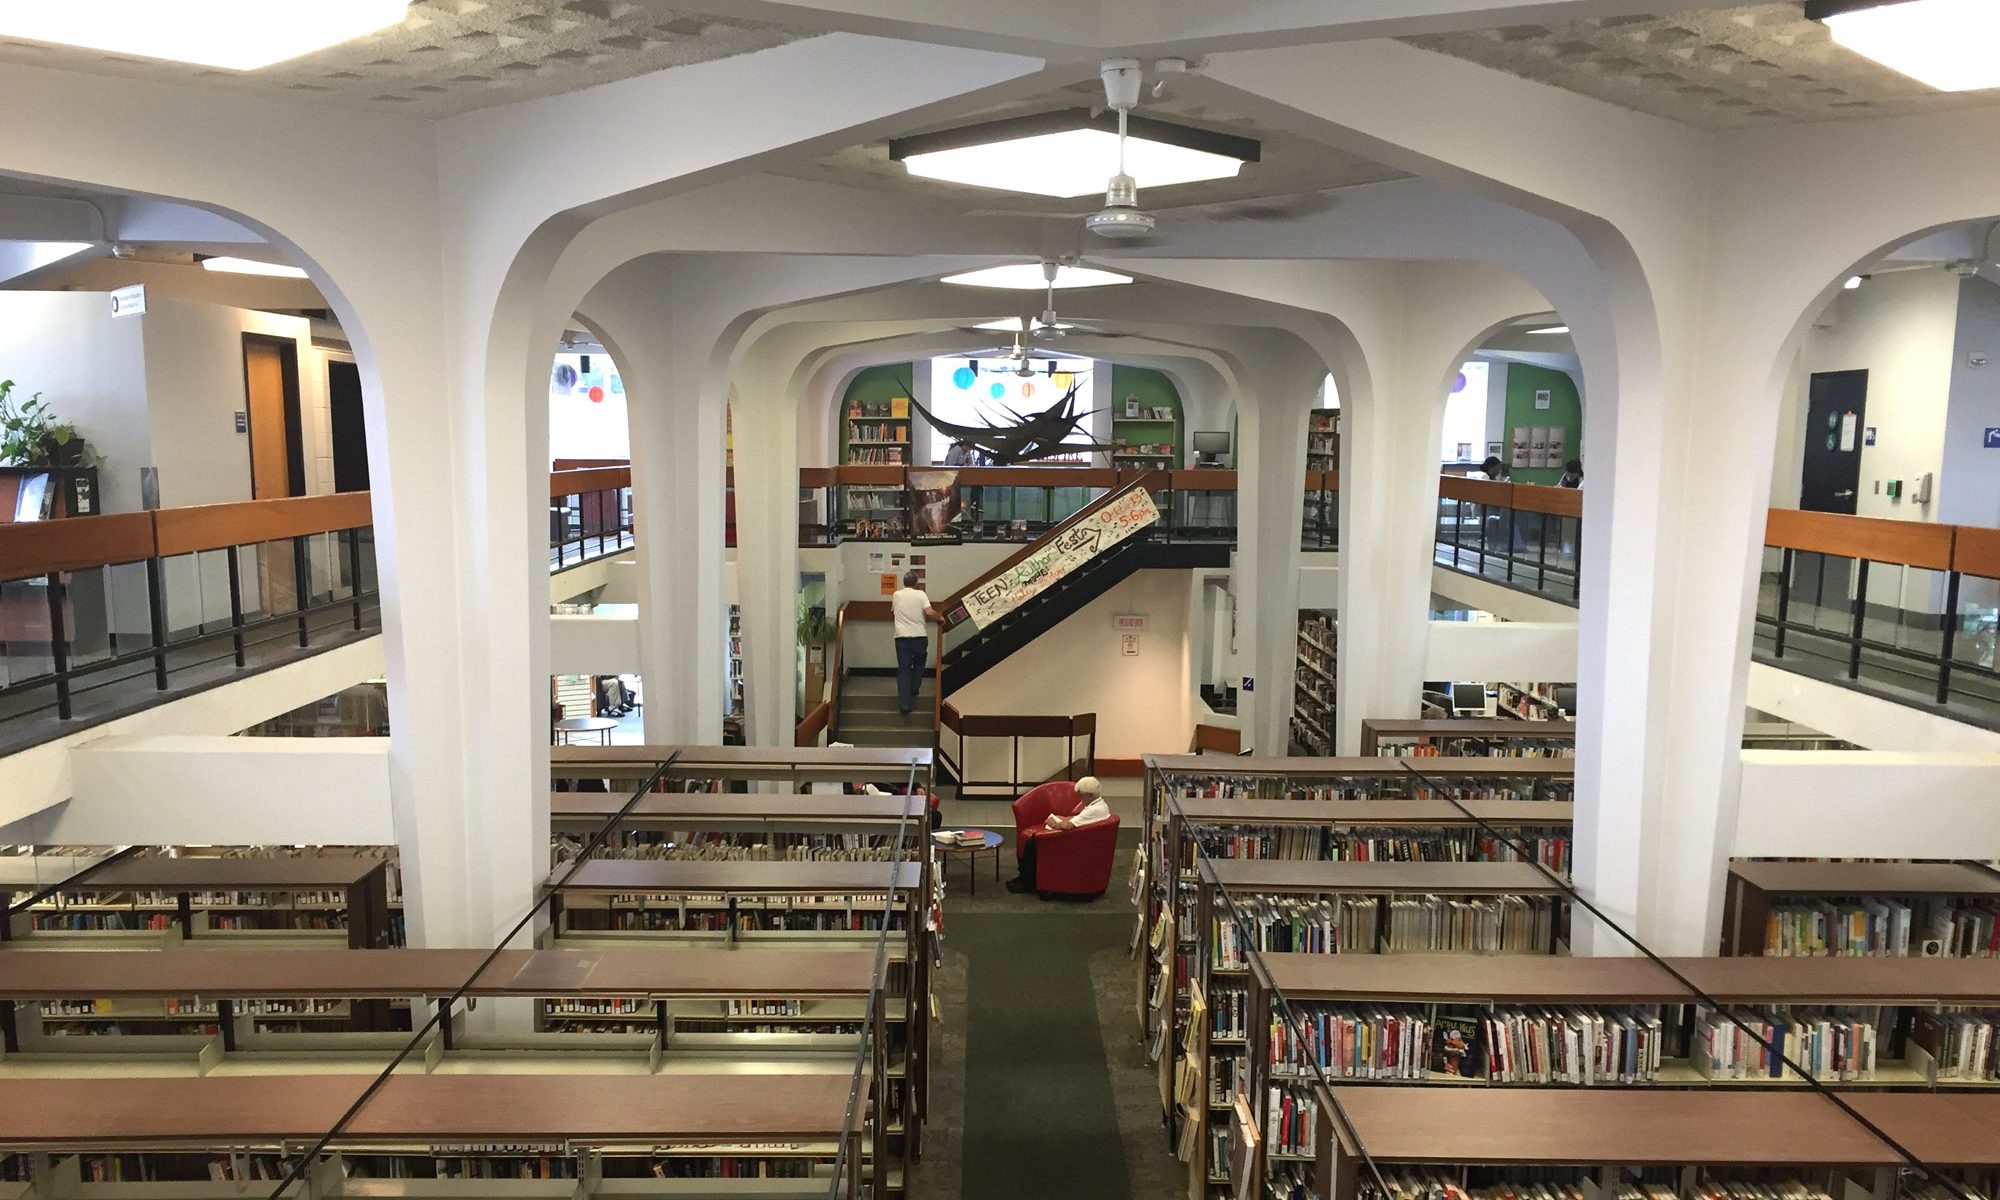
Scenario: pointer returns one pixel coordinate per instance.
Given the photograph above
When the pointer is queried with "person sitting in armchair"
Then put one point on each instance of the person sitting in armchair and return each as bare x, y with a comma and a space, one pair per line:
1092, 811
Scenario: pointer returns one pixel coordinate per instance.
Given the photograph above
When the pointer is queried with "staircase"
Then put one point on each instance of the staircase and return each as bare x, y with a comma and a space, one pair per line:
868, 715
986, 648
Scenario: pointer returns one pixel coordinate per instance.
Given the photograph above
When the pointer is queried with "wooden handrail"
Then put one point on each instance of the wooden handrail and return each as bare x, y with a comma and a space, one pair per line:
1911, 543
1216, 739
1496, 492
953, 604
1555, 501
1976, 551
218, 526
816, 720
33, 548
589, 479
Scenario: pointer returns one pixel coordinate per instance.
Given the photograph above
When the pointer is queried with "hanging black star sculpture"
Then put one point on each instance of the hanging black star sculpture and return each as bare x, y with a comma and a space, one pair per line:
1028, 438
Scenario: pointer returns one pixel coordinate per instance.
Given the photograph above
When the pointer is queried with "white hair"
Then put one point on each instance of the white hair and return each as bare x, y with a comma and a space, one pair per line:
1089, 786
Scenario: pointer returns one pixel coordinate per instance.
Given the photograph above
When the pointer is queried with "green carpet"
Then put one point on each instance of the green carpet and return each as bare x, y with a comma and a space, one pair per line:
1040, 1118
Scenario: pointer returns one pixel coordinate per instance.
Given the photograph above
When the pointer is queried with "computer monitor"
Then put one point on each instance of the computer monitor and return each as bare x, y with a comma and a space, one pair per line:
1468, 697
1209, 447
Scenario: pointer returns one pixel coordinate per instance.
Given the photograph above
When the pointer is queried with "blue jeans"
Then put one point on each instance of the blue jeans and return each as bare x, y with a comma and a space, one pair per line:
910, 655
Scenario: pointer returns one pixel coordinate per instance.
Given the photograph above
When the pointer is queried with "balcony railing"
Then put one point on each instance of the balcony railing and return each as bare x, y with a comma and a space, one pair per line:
590, 515
99, 615
1906, 608
1021, 504
1518, 534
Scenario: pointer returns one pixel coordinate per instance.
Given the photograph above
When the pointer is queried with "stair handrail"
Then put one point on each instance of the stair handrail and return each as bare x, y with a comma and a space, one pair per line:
951, 610
863, 610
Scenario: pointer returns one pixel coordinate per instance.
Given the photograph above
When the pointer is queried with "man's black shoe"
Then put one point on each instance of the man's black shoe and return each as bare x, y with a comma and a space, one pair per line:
1017, 885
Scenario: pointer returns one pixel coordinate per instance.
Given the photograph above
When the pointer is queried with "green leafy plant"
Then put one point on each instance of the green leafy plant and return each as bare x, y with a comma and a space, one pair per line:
30, 436
814, 628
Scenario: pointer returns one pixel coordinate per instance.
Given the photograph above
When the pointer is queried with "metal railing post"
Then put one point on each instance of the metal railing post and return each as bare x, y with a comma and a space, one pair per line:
1542, 554
1784, 597
235, 602
156, 605
354, 571
1860, 616
58, 651
1949, 636
302, 585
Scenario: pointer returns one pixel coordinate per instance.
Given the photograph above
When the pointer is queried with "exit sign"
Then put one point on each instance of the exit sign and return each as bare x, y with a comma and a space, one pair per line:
1992, 437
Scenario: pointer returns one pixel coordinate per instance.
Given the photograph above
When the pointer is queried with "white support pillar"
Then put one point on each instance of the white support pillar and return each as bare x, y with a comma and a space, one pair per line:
767, 545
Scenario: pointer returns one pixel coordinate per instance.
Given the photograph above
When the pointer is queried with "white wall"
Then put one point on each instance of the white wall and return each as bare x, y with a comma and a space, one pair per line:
1517, 651
91, 368
1144, 703
1968, 488
1858, 717
1844, 804
1898, 326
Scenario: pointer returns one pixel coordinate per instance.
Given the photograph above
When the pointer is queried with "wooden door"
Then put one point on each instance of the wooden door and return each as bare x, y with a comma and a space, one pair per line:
270, 392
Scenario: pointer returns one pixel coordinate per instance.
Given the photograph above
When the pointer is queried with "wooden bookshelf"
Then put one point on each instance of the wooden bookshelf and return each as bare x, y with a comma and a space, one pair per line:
1548, 1128
155, 899
1480, 738
1313, 682
1530, 702
1754, 887
722, 768
585, 812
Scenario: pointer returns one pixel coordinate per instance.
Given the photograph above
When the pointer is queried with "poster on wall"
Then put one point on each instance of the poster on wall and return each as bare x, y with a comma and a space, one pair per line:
932, 503
1078, 544
1519, 455
1538, 446
1558, 446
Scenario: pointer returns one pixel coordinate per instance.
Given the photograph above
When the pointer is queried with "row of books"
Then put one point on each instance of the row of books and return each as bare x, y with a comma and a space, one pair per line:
1581, 1046
1377, 787
287, 919
93, 921
1369, 1042
1478, 746
1539, 1183
1965, 1045
1550, 847
863, 431
1228, 1012
1291, 1122
1829, 1045
715, 851
1481, 925
1877, 928
882, 456
1333, 925
177, 1006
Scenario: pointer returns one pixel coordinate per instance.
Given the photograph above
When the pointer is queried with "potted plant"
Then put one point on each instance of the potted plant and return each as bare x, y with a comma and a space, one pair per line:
30, 436
815, 631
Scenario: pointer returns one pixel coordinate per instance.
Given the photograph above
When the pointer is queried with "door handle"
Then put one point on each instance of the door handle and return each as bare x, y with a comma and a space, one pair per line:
1843, 495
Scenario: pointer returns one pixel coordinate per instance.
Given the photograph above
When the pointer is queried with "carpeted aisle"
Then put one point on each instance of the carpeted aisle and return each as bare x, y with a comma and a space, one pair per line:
1040, 1119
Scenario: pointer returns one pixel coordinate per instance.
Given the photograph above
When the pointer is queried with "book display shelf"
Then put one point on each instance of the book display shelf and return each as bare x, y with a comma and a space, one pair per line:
1146, 437
520, 1136
1313, 683
1444, 738
732, 664
877, 431
1922, 910
1322, 454
1528, 702
1488, 1144
264, 900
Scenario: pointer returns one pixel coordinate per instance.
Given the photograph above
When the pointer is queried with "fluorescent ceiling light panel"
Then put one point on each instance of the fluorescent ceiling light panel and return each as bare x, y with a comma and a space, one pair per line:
251, 266
1948, 44
1013, 324
1071, 153
1027, 277
1551, 329
236, 35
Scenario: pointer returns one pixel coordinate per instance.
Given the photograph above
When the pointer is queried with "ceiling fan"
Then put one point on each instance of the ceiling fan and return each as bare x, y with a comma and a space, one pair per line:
1121, 218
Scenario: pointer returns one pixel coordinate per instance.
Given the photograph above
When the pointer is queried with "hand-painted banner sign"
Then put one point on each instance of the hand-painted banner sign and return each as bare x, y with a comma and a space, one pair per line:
1067, 551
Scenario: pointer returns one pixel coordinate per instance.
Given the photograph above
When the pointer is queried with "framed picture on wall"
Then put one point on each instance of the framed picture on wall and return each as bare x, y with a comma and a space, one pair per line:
1542, 398
1538, 446
1519, 454
1558, 446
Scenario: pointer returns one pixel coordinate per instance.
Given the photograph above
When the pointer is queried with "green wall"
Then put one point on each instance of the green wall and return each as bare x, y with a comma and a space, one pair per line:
1565, 411
1154, 390
873, 385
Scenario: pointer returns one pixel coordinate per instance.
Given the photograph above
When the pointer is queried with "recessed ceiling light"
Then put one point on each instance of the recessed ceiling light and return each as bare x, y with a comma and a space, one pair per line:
1071, 153
1853, 281
1947, 44
1013, 324
1549, 329
237, 35
251, 266
1027, 277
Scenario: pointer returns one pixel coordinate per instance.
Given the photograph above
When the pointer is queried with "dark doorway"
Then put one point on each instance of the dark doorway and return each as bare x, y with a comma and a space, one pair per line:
1836, 415
350, 432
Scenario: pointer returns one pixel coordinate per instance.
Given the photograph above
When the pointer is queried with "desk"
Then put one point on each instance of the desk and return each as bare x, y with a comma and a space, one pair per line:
570, 728
988, 840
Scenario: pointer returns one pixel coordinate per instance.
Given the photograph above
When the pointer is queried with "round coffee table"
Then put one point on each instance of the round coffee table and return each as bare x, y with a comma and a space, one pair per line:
970, 851
569, 729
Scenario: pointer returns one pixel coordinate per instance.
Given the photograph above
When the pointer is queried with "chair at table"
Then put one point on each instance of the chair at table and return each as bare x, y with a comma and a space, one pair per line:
1068, 862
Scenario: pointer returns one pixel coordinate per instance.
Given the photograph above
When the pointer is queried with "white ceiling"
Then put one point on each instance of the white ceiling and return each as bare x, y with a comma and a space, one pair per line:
1761, 64
452, 56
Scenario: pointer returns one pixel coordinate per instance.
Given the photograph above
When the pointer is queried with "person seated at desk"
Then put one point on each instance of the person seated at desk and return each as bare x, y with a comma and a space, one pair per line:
1093, 810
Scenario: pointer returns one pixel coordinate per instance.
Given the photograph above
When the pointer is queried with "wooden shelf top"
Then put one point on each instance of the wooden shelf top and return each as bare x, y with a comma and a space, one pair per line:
422, 1109
368, 974
1517, 813
1326, 768
1445, 878
1642, 1127
859, 763
1459, 979
1864, 878
741, 878
712, 808
1480, 727
149, 873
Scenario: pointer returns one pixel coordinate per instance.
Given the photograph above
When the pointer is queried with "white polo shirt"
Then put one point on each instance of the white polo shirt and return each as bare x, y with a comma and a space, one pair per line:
908, 605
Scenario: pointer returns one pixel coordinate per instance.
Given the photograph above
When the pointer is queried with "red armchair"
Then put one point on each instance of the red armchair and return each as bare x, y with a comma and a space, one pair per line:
1068, 862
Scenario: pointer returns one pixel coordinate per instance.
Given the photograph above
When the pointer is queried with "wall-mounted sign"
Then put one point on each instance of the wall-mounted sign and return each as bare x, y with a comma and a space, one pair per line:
1129, 622
1090, 536
1992, 441
128, 301
1868, 436
1128, 645
242, 421
1542, 398
1249, 683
